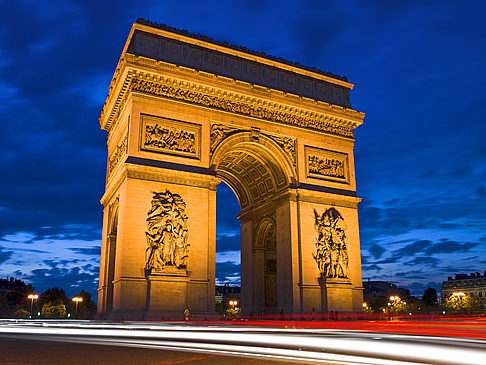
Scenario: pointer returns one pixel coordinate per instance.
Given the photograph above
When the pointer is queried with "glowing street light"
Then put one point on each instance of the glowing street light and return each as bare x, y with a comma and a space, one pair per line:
77, 300
365, 305
459, 294
233, 303
395, 298
32, 297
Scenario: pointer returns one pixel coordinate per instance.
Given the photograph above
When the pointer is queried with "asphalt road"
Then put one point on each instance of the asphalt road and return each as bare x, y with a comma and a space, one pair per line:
22, 351
92, 342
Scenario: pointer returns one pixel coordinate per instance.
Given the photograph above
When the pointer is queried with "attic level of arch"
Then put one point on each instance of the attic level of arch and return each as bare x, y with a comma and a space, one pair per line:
149, 77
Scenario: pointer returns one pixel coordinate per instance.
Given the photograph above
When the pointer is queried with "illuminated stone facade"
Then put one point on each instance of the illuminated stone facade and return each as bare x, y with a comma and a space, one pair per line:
184, 114
473, 285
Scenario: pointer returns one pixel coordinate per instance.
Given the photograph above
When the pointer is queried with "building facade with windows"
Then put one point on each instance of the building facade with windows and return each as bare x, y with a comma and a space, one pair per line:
473, 285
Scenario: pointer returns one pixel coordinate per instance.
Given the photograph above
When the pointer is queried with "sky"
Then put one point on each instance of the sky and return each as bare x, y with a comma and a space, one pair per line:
419, 74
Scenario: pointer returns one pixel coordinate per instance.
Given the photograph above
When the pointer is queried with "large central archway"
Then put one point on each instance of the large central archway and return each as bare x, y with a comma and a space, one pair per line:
258, 173
184, 114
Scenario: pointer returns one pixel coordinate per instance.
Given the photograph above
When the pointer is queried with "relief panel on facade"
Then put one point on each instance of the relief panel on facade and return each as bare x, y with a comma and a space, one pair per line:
120, 150
170, 136
218, 133
288, 145
327, 165
166, 234
331, 244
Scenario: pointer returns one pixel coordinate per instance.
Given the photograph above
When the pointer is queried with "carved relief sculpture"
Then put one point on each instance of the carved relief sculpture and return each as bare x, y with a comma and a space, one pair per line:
331, 246
325, 166
218, 133
161, 137
288, 145
179, 92
166, 233
116, 156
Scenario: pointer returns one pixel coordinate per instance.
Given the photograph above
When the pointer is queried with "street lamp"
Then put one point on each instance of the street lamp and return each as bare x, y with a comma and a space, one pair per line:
365, 305
32, 297
233, 303
77, 300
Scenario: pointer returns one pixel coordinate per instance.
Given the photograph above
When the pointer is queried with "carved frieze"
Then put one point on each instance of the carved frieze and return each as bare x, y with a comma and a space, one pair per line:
169, 136
327, 165
120, 150
238, 105
331, 253
166, 234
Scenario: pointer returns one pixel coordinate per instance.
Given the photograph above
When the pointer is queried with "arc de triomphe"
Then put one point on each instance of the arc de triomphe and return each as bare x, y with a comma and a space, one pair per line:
185, 113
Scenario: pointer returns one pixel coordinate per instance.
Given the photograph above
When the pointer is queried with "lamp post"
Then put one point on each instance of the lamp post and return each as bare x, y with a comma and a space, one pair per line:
77, 300
233, 303
32, 297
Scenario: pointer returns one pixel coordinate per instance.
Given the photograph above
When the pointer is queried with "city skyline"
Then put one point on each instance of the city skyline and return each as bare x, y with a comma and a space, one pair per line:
420, 156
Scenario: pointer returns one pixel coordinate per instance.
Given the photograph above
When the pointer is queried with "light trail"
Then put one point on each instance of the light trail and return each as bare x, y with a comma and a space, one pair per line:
325, 346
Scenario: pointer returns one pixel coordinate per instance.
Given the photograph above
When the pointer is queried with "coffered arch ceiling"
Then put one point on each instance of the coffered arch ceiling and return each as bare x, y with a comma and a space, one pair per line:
253, 174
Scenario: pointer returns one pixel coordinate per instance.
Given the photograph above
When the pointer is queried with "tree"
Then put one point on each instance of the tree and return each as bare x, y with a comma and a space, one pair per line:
86, 308
53, 303
456, 303
430, 297
51, 310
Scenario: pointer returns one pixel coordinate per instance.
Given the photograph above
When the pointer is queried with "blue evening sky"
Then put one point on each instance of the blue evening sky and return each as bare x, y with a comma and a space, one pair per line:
419, 74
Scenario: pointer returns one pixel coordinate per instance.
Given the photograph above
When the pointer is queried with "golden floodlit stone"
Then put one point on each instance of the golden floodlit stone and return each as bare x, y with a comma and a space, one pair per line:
184, 114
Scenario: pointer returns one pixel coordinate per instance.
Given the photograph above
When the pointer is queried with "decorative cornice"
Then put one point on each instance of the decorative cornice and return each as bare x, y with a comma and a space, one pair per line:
137, 81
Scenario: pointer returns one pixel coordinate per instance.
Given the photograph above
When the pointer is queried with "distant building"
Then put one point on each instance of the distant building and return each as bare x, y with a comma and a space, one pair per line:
383, 289
473, 284
225, 293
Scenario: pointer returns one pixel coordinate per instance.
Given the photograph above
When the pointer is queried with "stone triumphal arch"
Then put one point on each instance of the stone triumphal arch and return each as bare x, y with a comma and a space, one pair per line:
185, 113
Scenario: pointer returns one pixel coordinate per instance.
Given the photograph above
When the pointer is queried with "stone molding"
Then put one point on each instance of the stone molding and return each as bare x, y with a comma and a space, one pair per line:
192, 92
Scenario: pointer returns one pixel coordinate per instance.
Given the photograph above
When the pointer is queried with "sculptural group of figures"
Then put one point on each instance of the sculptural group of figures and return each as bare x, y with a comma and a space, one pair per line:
166, 233
326, 166
331, 246
169, 138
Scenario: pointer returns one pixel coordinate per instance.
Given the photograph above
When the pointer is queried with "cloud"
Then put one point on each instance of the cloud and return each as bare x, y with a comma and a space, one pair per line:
376, 250
448, 246
87, 250
72, 280
228, 271
430, 261
372, 267
5, 255
413, 248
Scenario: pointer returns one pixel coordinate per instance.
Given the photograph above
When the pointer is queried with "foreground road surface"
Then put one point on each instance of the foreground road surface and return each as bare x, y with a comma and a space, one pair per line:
213, 343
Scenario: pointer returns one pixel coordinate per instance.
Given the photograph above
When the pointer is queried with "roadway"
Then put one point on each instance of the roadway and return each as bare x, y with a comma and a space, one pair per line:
91, 342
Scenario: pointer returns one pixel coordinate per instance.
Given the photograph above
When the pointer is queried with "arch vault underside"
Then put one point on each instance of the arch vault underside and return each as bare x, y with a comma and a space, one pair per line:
183, 115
